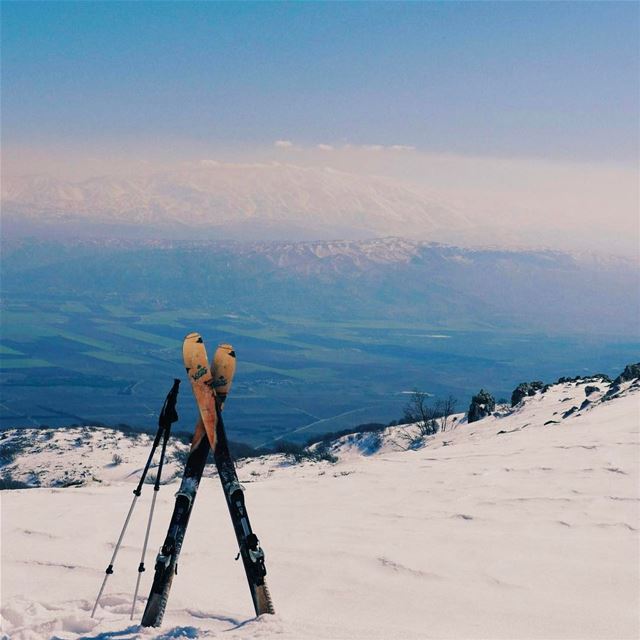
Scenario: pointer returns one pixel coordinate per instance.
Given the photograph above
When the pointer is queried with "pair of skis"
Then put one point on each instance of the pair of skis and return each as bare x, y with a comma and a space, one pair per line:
210, 387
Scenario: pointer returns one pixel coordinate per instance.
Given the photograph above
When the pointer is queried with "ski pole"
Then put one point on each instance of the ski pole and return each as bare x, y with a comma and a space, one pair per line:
144, 551
167, 416
156, 488
109, 569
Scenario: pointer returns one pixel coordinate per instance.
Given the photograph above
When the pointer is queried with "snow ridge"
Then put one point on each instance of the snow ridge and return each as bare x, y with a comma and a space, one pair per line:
75, 456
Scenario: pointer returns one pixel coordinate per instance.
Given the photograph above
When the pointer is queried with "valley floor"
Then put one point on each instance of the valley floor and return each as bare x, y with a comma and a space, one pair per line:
527, 533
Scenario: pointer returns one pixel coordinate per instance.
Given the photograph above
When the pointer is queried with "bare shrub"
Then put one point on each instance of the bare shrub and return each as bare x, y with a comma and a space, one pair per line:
424, 420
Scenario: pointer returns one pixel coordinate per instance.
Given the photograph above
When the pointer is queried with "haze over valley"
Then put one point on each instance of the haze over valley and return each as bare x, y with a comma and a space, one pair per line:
360, 322
359, 215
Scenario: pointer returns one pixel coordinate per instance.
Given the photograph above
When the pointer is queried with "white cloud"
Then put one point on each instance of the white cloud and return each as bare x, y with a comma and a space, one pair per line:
378, 147
283, 144
402, 147
325, 147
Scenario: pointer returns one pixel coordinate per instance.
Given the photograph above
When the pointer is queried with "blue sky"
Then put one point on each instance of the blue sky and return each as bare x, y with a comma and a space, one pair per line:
548, 80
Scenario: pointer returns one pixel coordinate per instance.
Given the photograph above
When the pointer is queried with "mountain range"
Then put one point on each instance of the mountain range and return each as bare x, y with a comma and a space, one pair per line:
255, 201
383, 278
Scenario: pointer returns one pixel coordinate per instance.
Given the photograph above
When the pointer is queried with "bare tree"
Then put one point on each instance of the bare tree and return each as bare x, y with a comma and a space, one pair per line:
417, 411
445, 409
423, 420
420, 421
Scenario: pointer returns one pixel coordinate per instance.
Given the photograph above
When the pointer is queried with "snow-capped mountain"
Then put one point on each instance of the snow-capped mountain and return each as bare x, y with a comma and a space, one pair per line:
522, 524
248, 200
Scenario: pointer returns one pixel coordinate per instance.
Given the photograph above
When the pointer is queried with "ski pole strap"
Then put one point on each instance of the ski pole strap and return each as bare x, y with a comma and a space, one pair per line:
163, 452
169, 415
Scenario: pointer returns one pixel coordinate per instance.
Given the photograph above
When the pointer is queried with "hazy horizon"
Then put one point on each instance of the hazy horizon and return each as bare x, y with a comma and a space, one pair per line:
524, 202
520, 119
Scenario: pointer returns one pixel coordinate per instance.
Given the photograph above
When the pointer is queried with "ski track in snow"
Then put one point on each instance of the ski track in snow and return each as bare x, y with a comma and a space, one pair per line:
489, 531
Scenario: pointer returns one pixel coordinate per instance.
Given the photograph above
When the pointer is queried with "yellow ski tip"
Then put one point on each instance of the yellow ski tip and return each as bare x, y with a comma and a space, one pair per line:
228, 349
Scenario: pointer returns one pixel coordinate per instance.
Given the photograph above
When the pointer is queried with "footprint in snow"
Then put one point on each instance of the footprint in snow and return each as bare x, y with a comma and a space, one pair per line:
400, 568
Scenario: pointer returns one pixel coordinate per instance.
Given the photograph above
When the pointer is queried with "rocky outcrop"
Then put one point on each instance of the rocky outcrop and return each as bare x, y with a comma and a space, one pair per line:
483, 404
631, 372
596, 377
525, 389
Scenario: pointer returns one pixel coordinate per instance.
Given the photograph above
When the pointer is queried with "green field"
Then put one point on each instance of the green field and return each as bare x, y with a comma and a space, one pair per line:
23, 363
296, 375
142, 336
117, 358
9, 351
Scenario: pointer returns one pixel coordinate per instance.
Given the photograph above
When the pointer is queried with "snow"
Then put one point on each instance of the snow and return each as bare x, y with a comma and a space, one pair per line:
503, 528
75, 455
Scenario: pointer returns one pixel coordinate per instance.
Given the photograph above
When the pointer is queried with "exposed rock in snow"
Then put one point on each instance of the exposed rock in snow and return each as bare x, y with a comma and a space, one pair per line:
80, 455
482, 405
631, 372
525, 389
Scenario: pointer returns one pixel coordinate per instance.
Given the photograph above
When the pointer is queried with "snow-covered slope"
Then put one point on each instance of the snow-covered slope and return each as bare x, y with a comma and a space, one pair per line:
74, 456
521, 525
80, 455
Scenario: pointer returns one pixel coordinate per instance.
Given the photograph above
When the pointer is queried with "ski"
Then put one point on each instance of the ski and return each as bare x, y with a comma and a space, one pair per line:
249, 547
195, 359
201, 377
